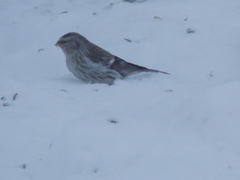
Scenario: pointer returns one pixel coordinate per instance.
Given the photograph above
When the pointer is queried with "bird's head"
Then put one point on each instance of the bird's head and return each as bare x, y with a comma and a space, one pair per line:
71, 42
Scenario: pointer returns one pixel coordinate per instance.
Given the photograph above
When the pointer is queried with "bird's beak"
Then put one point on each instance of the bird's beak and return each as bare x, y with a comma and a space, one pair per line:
57, 44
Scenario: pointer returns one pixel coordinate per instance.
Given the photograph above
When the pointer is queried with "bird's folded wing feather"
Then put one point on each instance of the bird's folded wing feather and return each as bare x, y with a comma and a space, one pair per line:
126, 68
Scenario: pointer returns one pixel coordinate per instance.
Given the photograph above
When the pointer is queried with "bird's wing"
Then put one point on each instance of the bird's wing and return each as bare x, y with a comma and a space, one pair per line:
99, 55
126, 68
104, 58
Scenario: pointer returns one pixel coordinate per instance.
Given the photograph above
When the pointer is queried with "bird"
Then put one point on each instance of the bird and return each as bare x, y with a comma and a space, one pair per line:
92, 64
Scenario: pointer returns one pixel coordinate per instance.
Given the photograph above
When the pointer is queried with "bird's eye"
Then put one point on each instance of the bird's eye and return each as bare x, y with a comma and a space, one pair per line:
63, 41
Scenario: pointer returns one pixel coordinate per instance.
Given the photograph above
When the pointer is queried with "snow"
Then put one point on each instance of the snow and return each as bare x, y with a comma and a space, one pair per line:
151, 126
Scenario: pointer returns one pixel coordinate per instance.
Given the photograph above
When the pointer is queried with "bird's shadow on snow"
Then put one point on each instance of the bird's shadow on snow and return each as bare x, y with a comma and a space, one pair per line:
139, 76
143, 76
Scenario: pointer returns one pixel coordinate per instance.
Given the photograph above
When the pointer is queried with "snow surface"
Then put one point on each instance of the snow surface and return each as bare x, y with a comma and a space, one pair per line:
180, 127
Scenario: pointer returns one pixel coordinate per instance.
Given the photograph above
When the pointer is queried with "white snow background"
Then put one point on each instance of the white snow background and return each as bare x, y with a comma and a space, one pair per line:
185, 126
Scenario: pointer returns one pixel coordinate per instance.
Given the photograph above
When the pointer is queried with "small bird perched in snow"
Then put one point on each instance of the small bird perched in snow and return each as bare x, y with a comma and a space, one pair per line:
92, 64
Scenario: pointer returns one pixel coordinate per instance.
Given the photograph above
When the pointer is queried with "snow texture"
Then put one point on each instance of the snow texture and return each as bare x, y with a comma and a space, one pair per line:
185, 126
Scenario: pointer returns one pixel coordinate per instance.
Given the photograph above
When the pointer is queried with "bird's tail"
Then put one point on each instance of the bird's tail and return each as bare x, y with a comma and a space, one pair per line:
126, 69
157, 71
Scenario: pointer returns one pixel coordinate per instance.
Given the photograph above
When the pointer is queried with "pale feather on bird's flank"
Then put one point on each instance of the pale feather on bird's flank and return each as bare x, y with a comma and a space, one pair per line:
92, 64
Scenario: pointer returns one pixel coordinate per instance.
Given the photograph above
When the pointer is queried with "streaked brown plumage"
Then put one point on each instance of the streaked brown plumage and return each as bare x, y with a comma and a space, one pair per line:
92, 64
